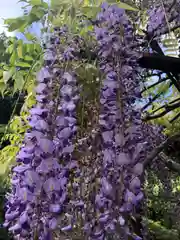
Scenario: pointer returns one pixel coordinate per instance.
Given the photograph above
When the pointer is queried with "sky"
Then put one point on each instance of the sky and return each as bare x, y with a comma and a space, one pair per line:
9, 9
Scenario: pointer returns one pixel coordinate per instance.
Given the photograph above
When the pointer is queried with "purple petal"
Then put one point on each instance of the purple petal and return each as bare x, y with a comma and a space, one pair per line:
43, 74
46, 145
107, 136
51, 184
140, 196
66, 228
106, 187
23, 218
104, 218
25, 195
66, 90
38, 111
69, 77
129, 196
31, 177
15, 227
138, 169
121, 221
53, 223
68, 149
135, 183
70, 106
12, 215
21, 168
65, 133
54, 208
39, 125
40, 87
48, 165
123, 159
73, 164
61, 121
108, 156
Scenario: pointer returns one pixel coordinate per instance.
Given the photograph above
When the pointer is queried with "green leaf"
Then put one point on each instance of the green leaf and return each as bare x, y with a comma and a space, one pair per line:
125, 6
2, 87
28, 58
90, 11
6, 76
18, 81
2, 128
13, 58
29, 36
30, 48
35, 2
23, 64
45, 5
36, 14
10, 48
19, 51
16, 23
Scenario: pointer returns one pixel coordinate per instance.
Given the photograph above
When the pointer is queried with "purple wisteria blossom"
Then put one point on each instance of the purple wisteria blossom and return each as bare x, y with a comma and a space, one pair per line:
120, 122
30, 183
65, 131
39, 181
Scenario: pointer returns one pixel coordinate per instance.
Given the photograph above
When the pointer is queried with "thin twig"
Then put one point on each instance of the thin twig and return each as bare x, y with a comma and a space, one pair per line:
175, 118
167, 110
165, 105
159, 149
151, 101
154, 84
172, 165
172, 5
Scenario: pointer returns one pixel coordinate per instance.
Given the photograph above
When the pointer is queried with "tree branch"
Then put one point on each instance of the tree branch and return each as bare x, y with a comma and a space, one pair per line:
159, 149
160, 62
172, 165
165, 105
175, 118
168, 108
151, 101
154, 84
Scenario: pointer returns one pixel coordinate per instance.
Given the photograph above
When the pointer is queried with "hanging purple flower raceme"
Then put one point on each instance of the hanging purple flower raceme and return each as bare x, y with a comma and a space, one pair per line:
122, 140
39, 182
31, 180
65, 133
66, 129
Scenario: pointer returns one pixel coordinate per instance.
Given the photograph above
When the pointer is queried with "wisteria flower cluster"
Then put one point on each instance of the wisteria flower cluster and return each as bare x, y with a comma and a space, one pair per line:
39, 182
47, 182
123, 145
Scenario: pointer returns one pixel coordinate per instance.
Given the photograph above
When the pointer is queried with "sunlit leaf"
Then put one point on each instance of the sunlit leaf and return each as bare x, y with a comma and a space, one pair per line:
13, 58
10, 48
23, 64
35, 2
29, 36
2, 87
16, 23
28, 58
18, 81
90, 11
19, 51
126, 6
6, 76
